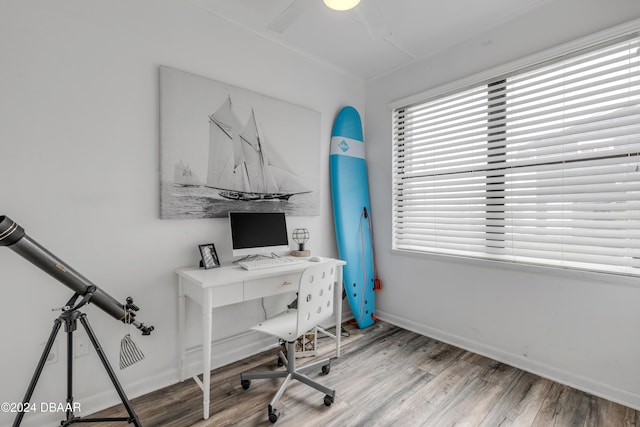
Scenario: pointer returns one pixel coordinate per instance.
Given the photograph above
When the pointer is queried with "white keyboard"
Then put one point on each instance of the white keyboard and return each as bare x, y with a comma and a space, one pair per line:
258, 264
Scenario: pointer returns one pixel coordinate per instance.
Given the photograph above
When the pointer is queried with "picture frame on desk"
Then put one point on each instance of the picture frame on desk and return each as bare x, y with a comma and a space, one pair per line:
209, 256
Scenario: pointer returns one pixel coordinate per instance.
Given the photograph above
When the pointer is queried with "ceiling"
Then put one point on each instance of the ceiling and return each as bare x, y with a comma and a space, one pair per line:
377, 36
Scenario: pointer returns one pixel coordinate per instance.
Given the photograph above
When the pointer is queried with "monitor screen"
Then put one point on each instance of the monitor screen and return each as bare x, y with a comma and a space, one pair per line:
254, 233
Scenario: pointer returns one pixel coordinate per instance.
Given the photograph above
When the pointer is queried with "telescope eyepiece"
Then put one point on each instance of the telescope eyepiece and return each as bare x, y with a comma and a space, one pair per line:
146, 330
131, 306
10, 232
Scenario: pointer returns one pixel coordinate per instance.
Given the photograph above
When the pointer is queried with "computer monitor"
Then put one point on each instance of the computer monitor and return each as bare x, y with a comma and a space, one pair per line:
255, 233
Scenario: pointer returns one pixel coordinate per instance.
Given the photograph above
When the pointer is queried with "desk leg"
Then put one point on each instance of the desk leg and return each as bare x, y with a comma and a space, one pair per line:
182, 328
337, 303
206, 354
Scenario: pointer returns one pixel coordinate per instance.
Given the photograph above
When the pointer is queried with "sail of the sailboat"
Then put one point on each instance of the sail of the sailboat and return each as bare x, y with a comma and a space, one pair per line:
226, 163
254, 158
243, 165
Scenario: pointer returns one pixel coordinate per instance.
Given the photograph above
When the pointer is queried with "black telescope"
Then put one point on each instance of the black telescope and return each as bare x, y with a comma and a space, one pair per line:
14, 237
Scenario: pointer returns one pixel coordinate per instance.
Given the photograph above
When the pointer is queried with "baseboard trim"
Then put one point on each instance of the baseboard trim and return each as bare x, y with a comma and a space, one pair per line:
561, 376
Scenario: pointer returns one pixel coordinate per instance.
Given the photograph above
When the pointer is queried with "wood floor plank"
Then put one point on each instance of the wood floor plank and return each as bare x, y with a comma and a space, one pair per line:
484, 396
603, 412
563, 406
422, 405
440, 358
386, 377
520, 404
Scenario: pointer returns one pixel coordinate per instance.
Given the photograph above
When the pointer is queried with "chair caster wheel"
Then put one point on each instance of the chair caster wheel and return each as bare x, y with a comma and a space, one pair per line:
326, 369
273, 414
328, 400
280, 361
245, 384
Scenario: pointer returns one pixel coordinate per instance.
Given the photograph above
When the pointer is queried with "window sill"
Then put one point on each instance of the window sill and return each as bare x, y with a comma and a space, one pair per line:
592, 276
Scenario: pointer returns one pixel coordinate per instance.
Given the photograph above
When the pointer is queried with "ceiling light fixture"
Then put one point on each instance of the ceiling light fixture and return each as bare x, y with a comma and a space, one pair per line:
341, 4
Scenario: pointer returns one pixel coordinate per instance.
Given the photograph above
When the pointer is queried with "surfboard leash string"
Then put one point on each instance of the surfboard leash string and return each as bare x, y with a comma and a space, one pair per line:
364, 269
377, 283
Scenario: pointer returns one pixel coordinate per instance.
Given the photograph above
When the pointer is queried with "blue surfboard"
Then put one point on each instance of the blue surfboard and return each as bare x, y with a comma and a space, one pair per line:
351, 212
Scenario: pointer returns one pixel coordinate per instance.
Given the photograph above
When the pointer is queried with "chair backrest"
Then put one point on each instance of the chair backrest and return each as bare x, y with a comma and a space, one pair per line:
315, 296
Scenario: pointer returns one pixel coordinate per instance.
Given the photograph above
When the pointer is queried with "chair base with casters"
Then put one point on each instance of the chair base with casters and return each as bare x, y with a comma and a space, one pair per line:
315, 304
292, 373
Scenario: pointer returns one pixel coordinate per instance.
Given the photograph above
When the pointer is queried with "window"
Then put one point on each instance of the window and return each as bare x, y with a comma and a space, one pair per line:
538, 166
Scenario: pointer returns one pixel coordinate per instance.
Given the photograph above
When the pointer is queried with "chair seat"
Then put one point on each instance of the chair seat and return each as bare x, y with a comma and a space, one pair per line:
282, 325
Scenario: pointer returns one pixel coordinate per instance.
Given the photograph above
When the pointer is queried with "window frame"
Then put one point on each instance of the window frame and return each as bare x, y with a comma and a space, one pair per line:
487, 77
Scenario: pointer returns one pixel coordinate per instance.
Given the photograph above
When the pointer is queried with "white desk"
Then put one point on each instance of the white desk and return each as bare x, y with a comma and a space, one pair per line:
231, 284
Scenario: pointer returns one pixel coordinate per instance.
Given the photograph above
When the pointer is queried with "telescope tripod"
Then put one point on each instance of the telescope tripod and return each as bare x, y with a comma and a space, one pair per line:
70, 315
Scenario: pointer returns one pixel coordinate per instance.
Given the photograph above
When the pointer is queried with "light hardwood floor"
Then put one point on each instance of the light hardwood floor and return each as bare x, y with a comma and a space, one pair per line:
387, 376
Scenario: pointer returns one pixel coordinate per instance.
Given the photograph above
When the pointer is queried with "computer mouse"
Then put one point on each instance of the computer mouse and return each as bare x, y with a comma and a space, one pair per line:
315, 259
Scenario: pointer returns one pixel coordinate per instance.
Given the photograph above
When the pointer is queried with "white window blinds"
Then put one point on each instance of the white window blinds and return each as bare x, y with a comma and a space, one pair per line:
539, 166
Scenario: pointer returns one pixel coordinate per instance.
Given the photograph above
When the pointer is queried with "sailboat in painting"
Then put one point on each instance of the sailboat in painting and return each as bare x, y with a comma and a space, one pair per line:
183, 176
242, 165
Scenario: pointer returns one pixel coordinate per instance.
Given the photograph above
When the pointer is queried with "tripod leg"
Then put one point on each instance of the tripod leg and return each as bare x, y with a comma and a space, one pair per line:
70, 329
36, 375
109, 369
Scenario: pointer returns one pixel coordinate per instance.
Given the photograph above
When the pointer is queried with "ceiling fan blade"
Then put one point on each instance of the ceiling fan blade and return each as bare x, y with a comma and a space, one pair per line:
369, 16
288, 16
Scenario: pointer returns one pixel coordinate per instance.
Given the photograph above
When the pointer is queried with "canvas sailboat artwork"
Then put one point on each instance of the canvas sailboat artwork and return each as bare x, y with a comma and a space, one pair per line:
227, 149
242, 165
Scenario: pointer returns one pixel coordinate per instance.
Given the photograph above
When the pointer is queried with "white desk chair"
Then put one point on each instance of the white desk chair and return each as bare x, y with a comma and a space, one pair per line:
315, 305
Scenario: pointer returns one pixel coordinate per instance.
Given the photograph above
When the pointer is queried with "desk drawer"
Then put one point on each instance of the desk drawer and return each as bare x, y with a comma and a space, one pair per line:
226, 294
258, 288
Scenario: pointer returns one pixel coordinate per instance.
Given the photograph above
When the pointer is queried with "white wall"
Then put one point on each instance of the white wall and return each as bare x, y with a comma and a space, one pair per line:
79, 170
580, 332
